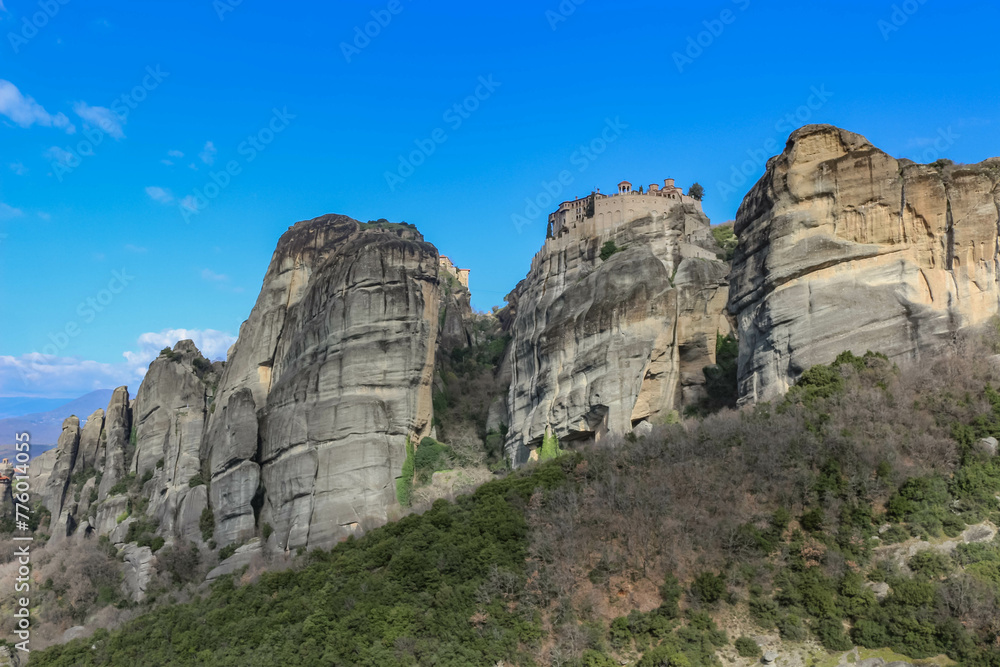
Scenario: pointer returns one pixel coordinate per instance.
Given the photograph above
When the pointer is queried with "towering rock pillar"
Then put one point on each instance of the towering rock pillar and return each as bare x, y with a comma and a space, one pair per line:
842, 247
331, 374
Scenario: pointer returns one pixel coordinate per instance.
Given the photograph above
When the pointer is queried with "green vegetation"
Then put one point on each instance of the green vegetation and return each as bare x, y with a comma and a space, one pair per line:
196, 480
725, 237
122, 485
721, 377
445, 588
608, 249
696, 191
404, 485
206, 522
777, 512
550, 447
747, 647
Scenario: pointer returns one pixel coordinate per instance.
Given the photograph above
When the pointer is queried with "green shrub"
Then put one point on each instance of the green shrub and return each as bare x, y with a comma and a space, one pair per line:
747, 648
227, 551
122, 485
830, 633
725, 237
708, 587
207, 524
608, 249
550, 447
196, 480
930, 564
404, 485
812, 520
791, 629
265, 531
670, 593
146, 476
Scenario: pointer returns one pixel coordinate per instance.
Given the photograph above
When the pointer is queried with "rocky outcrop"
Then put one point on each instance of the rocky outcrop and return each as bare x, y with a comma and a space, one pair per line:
171, 410
601, 345
116, 438
54, 490
90, 442
331, 374
842, 247
137, 571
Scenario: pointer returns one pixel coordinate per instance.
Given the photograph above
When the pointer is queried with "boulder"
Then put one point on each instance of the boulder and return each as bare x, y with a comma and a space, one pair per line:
137, 570
989, 445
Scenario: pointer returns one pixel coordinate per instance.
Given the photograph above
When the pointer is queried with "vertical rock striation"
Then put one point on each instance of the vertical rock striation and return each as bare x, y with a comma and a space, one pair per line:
331, 374
601, 345
842, 247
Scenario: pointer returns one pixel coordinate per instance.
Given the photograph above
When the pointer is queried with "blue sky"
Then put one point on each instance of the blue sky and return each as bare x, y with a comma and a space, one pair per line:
310, 118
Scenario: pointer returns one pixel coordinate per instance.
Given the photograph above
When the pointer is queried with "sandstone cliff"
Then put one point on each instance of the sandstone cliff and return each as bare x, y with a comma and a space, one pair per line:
303, 430
602, 345
842, 247
331, 374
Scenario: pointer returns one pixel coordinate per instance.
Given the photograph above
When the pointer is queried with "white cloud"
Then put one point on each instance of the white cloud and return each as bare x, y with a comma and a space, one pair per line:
193, 166
208, 153
8, 212
44, 216
212, 276
25, 111
44, 375
38, 374
176, 154
190, 203
18, 168
59, 155
135, 248
100, 117
159, 194
213, 344
169, 163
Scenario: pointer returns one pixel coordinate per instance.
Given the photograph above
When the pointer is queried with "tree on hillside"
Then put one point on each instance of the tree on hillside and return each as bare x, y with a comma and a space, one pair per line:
696, 191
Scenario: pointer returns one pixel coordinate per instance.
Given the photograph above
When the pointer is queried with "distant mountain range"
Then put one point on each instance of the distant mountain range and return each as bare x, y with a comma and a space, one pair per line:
44, 426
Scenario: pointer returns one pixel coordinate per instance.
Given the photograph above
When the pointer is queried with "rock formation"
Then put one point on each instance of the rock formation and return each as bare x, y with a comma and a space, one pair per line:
304, 429
600, 345
171, 409
331, 374
842, 247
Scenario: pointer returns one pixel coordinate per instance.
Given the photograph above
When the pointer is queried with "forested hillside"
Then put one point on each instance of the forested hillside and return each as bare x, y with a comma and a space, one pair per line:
856, 511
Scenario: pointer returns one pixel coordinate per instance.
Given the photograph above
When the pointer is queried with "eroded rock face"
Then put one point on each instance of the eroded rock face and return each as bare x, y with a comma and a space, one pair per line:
116, 437
331, 373
90, 442
600, 345
842, 247
171, 409
54, 491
